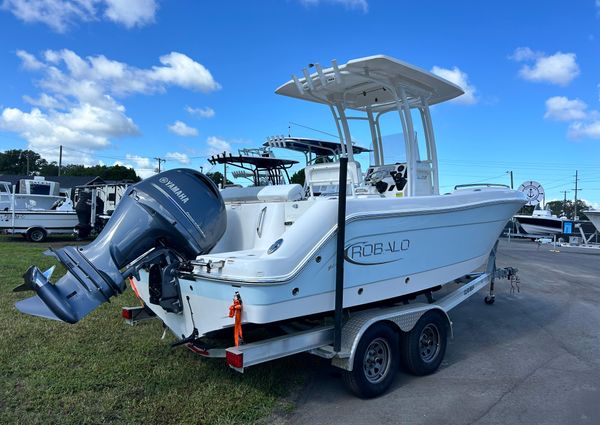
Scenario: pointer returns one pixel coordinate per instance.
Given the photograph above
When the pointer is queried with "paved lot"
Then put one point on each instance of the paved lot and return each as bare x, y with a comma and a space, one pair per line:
531, 358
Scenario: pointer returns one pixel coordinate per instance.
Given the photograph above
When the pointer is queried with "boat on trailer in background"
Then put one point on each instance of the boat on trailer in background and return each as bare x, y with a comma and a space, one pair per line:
40, 208
353, 241
594, 217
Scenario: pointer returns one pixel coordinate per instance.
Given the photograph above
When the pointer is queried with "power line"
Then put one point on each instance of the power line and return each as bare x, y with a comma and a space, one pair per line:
313, 129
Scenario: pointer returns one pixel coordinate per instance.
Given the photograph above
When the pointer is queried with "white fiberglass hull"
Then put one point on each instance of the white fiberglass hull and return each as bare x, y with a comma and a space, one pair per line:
594, 216
540, 225
48, 220
29, 202
394, 247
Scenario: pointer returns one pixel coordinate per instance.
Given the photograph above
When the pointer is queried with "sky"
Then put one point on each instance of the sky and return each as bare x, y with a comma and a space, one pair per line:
127, 81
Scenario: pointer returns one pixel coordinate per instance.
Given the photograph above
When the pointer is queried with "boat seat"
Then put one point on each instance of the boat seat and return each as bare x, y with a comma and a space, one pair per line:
282, 192
324, 178
241, 194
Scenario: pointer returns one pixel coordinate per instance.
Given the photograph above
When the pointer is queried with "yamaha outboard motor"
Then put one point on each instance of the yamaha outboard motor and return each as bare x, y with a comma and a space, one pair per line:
166, 219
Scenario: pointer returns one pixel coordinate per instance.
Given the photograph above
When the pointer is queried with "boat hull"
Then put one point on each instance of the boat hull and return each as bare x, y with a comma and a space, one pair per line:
388, 254
540, 225
52, 221
594, 216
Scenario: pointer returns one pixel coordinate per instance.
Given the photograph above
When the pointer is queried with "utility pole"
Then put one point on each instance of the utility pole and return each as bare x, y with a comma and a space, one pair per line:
564, 192
224, 171
59, 159
576, 190
27, 157
511, 179
159, 162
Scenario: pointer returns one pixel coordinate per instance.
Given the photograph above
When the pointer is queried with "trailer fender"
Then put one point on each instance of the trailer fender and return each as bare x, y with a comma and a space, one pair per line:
402, 319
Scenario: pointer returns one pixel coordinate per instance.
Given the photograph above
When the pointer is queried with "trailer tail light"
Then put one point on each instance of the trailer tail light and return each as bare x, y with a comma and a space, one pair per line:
127, 313
235, 360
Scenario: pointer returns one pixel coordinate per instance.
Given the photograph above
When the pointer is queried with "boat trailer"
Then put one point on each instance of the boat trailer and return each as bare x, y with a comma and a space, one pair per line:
373, 341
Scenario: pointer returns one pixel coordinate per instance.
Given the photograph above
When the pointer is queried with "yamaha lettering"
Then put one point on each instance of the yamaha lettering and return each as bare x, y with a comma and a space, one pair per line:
175, 189
368, 253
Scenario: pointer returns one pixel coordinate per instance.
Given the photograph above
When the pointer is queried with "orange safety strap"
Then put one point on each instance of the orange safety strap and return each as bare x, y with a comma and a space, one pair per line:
235, 310
135, 290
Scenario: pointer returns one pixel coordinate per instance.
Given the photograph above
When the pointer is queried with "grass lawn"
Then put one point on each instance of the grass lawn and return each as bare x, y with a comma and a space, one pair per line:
101, 370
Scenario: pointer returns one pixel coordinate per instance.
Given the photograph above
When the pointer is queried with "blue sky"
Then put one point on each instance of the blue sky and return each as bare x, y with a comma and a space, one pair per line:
130, 80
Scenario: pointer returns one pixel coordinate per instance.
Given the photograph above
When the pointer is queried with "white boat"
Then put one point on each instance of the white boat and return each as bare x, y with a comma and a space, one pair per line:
541, 222
37, 224
34, 194
594, 217
276, 248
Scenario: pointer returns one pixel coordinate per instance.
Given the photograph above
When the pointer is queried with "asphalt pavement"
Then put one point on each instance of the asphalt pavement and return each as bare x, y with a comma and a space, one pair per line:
533, 357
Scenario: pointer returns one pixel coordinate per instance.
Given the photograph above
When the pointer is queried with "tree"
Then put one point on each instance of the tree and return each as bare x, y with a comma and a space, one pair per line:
113, 172
14, 161
217, 178
298, 177
49, 169
561, 208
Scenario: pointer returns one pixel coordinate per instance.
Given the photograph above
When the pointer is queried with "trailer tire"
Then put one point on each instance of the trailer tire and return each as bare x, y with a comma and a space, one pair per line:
423, 348
376, 362
489, 300
36, 234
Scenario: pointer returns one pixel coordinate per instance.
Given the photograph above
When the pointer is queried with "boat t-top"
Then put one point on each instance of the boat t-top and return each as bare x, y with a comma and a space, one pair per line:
259, 166
314, 150
189, 252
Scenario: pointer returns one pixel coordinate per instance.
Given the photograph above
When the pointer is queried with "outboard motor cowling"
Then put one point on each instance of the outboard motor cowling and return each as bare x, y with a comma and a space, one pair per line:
177, 214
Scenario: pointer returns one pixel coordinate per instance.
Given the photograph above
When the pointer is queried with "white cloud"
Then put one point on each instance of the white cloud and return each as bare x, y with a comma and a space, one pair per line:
217, 145
143, 166
182, 129
29, 61
584, 123
179, 157
523, 54
60, 15
181, 70
461, 79
560, 108
205, 112
131, 13
78, 106
70, 74
44, 101
82, 126
584, 130
559, 68
361, 5
139, 161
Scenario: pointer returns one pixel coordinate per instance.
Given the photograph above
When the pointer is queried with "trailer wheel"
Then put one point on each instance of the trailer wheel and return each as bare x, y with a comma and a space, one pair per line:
423, 348
36, 234
376, 362
489, 300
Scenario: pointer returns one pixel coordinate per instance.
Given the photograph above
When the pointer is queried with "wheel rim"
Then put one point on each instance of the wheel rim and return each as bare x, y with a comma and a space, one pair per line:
429, 343
37, 235
376, 362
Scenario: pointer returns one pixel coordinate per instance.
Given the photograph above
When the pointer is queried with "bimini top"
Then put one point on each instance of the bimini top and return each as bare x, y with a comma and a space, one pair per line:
370, 82
310, 146
262, 162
